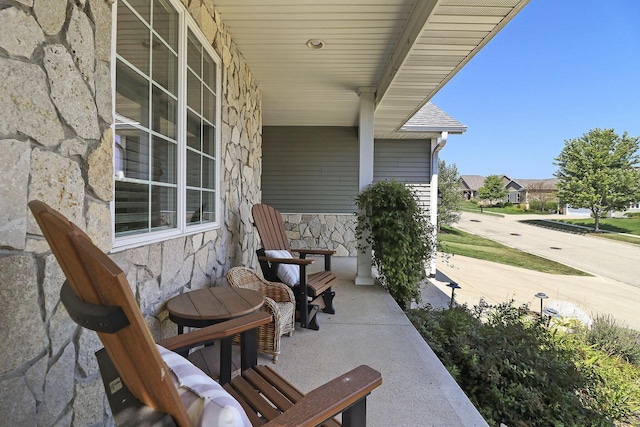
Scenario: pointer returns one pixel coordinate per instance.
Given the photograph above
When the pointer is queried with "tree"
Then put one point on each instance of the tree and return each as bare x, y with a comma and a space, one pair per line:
598, 171
492, 189
449, 194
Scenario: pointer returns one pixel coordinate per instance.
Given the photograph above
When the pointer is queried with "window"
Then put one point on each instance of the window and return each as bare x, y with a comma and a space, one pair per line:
167, 117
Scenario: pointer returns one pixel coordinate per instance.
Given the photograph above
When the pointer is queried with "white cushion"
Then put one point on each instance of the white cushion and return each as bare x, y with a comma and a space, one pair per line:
288, 273
207, 403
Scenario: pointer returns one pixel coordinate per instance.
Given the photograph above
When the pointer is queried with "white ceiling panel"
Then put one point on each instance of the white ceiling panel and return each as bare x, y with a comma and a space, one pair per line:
407, 49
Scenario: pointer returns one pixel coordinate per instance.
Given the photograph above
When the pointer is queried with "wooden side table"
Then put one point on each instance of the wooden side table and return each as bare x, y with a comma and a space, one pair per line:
207, 306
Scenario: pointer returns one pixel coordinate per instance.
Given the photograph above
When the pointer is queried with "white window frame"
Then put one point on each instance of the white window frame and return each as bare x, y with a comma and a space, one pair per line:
185, 23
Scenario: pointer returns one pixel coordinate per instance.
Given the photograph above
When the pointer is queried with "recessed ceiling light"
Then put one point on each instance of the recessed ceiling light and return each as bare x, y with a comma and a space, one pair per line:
315, 44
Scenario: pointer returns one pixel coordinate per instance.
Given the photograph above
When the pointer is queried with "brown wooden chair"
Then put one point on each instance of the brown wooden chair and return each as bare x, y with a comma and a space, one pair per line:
308, 287
140, 391
279, 302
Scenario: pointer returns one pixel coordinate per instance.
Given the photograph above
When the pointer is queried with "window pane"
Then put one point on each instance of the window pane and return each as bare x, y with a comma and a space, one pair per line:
149, 57
132, 207
163, 207
208, 201
132, 42
193, 92
165, 22
208, 139
164, 113
208, 105
163, 162
193, 169
143, 7
193, 54
209, 71
165, 67
194, 207
132, 95
193, 131
135, 148
208, 173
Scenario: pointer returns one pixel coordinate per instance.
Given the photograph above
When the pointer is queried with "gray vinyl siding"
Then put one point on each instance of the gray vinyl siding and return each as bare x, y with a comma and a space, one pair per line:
407, 161
310, 169
315, 169
403, 160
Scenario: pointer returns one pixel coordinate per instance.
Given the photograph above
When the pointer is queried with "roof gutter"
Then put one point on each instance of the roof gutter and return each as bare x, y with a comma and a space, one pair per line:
442, 141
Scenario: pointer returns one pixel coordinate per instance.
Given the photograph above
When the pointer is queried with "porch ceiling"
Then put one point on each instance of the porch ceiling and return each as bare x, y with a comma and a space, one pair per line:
406, 49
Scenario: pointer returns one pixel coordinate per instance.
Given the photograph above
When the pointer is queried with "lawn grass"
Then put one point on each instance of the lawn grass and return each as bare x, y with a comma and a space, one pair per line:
469, 206
618, 225
457, 242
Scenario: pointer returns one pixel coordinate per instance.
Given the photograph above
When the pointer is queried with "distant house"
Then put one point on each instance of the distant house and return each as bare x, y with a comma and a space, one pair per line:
469, 185
528, 190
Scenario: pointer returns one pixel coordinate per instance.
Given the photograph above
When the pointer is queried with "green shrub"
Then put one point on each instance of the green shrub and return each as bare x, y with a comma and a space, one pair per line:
615, 340
612, 385
520, 372
400, 236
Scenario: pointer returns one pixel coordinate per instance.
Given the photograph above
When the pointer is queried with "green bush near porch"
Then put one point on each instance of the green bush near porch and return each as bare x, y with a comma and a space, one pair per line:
521, 372
400, 236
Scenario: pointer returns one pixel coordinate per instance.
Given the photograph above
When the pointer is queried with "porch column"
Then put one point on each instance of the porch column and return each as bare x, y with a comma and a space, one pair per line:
436, 146
365, 177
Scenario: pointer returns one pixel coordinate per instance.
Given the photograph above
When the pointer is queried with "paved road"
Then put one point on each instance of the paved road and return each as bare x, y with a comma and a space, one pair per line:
613, 290
603, 257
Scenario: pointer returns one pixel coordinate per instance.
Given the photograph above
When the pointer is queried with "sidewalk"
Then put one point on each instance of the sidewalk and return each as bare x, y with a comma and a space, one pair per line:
369, 328
499, 283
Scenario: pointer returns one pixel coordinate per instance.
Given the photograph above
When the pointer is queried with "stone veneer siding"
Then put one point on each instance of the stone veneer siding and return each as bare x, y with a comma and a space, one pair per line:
332, 231
56, 146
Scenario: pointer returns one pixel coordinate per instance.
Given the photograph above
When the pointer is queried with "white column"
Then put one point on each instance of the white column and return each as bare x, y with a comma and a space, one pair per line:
433, 199
365, 176
436, 146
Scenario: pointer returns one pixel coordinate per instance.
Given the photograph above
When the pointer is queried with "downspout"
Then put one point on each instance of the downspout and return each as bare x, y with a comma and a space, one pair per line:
433, 202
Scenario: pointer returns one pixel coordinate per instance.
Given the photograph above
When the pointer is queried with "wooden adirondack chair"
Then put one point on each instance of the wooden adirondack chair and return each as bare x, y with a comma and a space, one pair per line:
97, 296
309, 287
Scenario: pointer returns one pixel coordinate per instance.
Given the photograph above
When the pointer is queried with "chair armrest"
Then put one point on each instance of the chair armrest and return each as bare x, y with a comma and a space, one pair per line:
277, 291
330, 399
297, 261
225, 329
314, 251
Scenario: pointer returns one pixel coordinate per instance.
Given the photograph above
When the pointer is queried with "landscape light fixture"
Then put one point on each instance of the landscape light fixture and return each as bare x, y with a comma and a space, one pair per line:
453, 286
542, 297
550, 313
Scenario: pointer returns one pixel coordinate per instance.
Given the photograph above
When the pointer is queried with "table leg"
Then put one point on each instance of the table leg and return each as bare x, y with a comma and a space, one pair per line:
248, 349
225, 360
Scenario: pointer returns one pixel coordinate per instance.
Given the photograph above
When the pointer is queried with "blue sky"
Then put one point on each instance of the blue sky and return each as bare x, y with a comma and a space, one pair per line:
557, 70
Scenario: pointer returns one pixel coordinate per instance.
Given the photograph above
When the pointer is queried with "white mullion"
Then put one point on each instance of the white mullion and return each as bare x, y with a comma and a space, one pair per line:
114, 35
217, 136
151, 123
181, 152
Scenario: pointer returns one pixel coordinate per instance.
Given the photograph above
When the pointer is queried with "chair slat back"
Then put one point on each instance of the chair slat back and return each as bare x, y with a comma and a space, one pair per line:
96, 279
270, 227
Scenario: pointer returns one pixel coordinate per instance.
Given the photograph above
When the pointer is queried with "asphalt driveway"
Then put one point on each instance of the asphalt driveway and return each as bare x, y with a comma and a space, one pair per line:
602, 257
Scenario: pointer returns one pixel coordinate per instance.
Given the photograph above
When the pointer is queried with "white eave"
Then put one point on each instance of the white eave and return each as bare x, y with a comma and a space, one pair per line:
407, 49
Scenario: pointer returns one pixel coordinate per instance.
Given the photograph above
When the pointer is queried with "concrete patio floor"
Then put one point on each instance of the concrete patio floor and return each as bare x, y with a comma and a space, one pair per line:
369, 328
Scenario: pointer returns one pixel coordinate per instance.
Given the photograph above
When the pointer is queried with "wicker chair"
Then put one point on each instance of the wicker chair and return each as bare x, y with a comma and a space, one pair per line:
279, 302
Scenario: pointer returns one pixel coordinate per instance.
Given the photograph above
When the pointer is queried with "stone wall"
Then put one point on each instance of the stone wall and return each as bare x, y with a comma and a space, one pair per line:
56, 146
332, 231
